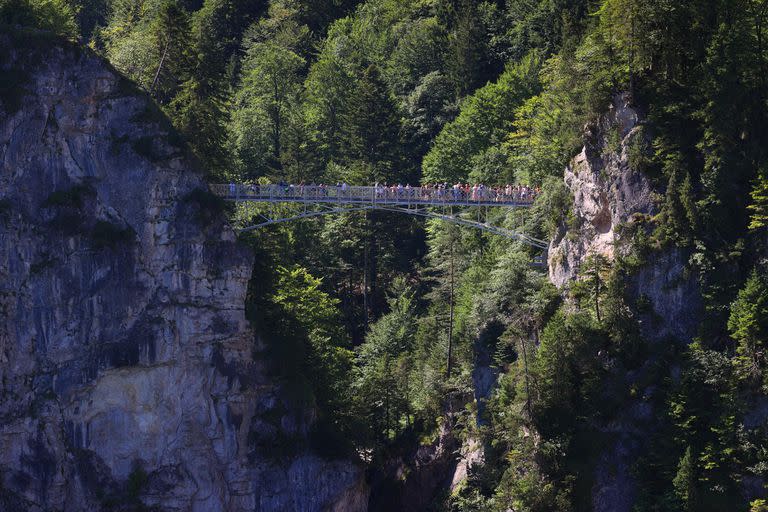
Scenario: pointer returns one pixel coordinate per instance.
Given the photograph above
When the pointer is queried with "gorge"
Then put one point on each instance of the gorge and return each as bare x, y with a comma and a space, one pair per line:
159, 353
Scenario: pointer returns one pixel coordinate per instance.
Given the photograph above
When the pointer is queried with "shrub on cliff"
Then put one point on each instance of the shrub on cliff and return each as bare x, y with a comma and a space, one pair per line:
52, 15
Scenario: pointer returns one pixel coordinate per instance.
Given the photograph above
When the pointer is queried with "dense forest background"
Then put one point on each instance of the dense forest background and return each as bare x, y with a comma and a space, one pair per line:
380, 321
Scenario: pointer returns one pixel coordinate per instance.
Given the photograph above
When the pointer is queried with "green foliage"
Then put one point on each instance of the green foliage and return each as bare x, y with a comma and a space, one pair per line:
639, 157
381, 383
678, 215
567, 372
685, 481
759, 206
418, 52
148, 42
496, 92
484, 120
428, 107
705, 409
371, 132
302, 325
56, 16
748, 325
594, 271
198, 113
207, 207
537, 149
266, 125
298, 295
466, 45
268, 104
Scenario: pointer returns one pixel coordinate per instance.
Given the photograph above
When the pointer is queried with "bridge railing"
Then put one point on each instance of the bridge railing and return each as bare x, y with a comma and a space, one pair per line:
516, 196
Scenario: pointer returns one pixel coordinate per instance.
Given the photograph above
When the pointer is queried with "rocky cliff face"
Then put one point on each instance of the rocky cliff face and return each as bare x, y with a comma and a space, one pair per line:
609, 194
128, 372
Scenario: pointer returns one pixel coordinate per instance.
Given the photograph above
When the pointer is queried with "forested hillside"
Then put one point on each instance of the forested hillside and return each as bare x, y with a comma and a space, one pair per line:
398, 331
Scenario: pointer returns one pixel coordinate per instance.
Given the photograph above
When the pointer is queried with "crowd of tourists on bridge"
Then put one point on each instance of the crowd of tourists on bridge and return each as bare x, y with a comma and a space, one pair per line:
459, 192
443, 192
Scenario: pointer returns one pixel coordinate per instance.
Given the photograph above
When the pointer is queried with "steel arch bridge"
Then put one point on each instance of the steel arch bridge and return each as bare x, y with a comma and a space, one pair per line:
418, 201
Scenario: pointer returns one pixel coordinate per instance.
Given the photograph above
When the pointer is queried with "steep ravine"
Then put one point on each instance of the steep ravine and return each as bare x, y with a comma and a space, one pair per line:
609, 194
128, 372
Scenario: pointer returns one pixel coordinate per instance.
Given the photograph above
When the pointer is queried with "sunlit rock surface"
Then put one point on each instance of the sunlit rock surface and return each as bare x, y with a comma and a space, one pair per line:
128, 371
607, 191
610, 194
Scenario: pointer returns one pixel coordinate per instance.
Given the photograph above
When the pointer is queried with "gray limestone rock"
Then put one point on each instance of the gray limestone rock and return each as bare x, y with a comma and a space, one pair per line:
607, 191
129, 372
610, 193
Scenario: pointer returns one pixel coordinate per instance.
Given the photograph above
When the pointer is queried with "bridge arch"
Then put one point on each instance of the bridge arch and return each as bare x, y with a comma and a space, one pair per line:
412, 201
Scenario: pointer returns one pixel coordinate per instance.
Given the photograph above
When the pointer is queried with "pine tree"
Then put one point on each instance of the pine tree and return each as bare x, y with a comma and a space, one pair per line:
685, 481
271, 89
199, 109
329, 88
748, 325
371, 131
759, 206
594, 269
382, 375
57, 16
678, 212
467, 60
198, 112
171, 31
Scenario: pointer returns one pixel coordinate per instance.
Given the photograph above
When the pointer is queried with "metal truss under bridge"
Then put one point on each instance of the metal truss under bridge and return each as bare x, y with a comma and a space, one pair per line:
419, 201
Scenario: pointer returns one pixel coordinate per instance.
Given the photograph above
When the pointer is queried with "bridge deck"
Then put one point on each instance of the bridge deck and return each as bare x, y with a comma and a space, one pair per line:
415, 196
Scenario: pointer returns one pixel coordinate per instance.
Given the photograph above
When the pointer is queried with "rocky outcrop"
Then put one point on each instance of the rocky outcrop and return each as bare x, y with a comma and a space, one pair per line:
667, 297
128, 371
607, 192
610, 193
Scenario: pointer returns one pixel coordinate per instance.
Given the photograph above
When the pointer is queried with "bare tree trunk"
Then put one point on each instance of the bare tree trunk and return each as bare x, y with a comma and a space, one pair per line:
632, 80
597, 300
365, 276
352, 299
450, 322
159, 67
373, 262
386, 403
527, 382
